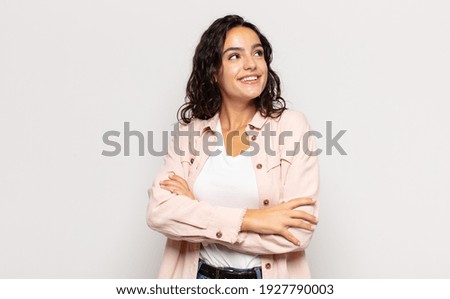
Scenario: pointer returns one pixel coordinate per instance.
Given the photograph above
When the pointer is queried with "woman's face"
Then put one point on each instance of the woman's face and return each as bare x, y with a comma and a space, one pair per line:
243, 74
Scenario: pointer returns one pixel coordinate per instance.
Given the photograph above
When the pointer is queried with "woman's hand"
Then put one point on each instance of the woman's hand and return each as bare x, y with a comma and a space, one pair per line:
277, 219
177, 185
273, 220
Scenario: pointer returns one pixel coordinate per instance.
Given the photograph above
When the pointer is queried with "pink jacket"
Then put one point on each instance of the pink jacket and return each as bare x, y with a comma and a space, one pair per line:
280, 175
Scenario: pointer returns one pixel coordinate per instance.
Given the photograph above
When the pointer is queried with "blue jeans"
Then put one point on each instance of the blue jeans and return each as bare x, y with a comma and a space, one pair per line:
201, 276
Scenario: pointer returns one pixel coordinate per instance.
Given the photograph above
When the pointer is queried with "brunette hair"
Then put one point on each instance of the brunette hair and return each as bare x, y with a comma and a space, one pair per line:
203, 99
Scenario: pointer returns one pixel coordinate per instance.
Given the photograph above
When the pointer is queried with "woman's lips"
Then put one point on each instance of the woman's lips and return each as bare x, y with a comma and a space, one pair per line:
249, 79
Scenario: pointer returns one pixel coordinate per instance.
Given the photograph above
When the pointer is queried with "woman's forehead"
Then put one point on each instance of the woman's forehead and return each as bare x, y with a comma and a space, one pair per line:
240, 36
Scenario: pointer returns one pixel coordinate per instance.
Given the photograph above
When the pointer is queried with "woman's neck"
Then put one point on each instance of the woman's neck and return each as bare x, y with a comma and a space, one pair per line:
234, 117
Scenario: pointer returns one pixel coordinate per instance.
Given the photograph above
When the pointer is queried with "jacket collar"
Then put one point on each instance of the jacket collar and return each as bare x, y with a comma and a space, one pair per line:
257, 122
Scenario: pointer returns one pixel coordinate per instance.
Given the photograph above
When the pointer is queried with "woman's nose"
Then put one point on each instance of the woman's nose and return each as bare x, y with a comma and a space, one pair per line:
249, 63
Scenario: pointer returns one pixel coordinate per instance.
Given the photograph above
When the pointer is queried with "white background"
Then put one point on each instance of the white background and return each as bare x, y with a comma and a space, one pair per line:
72, 70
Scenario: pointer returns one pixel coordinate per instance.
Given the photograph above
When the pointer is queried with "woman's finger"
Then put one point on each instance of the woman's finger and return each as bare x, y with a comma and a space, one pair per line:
298, 202
290, 237
297, 223
179, 179
303, 215
176, 187
176, 190
171, 185
168, 188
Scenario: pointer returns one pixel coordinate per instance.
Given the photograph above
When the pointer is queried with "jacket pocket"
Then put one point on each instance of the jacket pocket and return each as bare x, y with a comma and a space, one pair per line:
273, 161
186, 162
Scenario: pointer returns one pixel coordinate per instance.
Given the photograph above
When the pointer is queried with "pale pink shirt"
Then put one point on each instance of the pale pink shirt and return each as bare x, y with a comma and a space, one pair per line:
281, 175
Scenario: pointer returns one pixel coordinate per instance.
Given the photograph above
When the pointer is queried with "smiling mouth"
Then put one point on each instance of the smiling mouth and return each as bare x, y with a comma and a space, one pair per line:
249, 79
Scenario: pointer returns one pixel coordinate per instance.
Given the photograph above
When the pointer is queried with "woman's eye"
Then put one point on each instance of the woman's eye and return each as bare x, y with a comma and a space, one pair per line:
259, 53
233, 56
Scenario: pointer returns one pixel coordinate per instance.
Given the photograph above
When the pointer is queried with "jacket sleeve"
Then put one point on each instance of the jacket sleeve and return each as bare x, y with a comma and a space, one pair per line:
300, 178
179, 217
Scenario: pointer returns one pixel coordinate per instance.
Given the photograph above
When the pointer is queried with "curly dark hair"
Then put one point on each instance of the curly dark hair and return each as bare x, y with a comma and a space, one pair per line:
203, 99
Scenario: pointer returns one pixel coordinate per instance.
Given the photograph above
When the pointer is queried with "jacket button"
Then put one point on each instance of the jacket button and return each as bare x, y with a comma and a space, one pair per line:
219, 235
251, 127
259, 165
254, 137
192, 160
268, 266
266, 202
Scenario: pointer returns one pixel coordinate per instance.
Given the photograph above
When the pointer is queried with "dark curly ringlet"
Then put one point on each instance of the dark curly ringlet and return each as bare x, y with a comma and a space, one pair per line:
203, 99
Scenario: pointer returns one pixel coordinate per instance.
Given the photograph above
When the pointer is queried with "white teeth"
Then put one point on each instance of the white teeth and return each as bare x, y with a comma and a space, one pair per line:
250, 78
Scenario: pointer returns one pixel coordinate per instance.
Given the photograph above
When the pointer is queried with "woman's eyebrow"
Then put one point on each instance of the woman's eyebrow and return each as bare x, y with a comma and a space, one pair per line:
240, 49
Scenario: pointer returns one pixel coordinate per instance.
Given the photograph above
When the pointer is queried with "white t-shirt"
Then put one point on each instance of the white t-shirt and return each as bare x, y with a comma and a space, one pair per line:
228, 182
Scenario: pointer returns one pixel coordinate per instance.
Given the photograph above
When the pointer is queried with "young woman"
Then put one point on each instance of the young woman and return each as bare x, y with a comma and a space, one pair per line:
237, 194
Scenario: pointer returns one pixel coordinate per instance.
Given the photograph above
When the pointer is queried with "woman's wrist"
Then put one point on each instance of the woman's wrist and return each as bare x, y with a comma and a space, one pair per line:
248, 222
